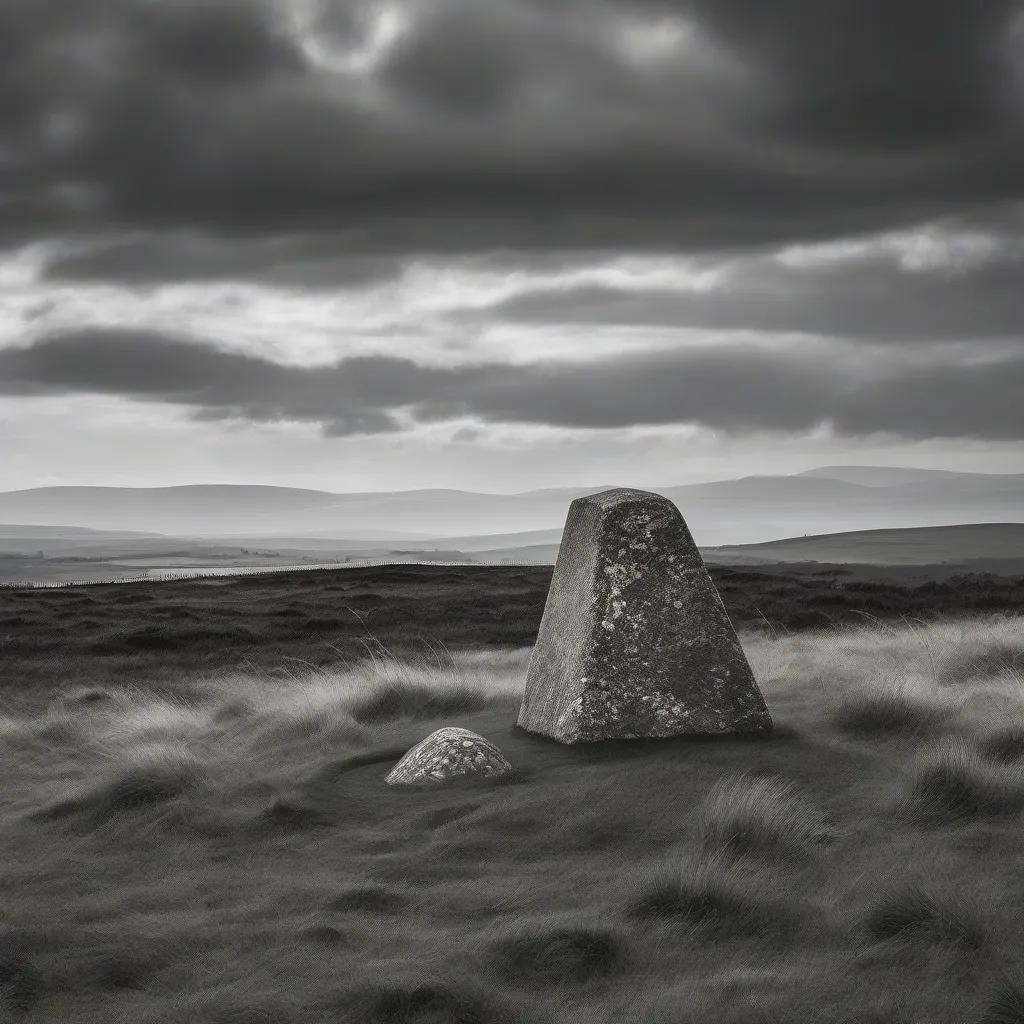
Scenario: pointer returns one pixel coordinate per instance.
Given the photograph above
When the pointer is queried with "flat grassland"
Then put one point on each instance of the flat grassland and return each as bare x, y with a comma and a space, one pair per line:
187, 838
164, 630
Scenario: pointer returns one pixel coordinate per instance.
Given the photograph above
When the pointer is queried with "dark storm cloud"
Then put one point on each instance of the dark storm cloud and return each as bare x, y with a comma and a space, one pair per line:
511, 123
872, 73
732, 388
222, 43
187, 256
217, 385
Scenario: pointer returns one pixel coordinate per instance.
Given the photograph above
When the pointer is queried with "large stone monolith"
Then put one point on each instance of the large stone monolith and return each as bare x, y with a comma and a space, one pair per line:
635, 641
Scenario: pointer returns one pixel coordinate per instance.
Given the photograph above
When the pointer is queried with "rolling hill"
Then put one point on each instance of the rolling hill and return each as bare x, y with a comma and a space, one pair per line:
921, 546
744, 511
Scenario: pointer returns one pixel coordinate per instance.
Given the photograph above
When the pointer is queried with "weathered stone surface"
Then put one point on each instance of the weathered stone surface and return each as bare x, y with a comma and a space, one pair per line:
635, 641
447, 754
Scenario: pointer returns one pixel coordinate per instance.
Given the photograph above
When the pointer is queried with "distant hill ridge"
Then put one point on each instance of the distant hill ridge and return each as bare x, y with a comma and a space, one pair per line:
966, 542
753, 509
886, 476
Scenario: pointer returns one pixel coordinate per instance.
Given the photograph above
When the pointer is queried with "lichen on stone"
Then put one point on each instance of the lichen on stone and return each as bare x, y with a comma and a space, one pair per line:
635, 640
446, 754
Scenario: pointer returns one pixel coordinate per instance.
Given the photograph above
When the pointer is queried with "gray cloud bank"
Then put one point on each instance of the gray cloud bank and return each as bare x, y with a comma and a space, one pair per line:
509, 122
872, 301
731, 388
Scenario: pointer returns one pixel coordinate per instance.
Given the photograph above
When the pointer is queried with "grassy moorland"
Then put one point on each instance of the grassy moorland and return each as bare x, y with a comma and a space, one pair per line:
220, 847
155, 631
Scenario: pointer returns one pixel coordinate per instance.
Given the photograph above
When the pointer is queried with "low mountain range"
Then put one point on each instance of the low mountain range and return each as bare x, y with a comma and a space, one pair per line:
750, 510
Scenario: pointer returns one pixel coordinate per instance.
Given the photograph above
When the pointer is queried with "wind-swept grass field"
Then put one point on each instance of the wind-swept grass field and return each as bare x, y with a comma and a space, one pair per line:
224, 850
166, 631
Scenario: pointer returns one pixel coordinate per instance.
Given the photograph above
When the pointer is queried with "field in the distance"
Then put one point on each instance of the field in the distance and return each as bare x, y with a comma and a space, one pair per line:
155, 630
43, 554
222, 848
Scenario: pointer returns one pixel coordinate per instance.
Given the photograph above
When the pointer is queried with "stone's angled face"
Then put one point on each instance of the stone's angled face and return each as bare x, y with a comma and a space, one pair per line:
447, 754
635, 641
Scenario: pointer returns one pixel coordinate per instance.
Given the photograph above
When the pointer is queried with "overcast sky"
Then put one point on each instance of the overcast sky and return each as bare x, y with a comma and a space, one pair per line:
505, 244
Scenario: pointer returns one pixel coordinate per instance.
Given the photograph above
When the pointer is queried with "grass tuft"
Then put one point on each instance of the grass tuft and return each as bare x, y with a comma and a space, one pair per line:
20, 979
1006, 1006
417, 701
913, 912
122, 968
227, 904
711, 899
953, 783
372, 899
333, 724
992, 660
289, 814
422, 1003
761, 815
149, 775
1006, 745
868, 1017
325, 934
85, 696
150, 721
418, 689
247, 1015
890, 712
559, 956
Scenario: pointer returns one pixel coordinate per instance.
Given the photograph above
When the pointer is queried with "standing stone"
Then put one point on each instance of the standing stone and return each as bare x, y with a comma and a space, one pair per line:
447, 754
635, 641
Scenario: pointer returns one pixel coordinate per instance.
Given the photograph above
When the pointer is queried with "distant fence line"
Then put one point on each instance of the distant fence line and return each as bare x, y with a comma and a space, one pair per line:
165, 577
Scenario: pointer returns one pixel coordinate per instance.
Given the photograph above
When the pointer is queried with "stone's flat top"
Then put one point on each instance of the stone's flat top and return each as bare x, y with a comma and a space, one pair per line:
617, 495
446, 754
635, 641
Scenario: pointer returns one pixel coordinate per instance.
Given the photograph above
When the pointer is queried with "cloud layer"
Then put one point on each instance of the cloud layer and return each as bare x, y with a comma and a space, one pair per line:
380, 218
734, 390
465, 124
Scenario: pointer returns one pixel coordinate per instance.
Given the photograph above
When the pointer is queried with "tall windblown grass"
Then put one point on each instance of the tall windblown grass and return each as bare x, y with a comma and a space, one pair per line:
931, 911
952, 782
227, 850
749, 814
710, 896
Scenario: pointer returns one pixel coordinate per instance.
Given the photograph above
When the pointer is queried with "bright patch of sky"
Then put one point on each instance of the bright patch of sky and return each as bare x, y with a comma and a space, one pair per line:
404, 316
159, 445
927, 249
378, 26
